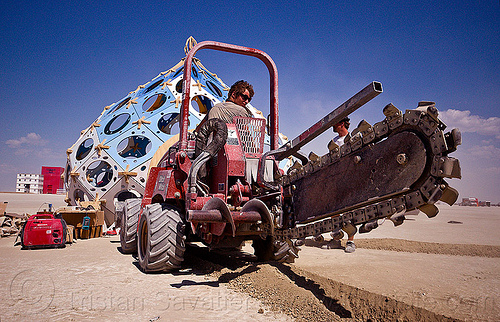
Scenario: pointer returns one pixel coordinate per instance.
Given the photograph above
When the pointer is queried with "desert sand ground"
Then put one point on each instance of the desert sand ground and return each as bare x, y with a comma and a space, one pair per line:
424, 270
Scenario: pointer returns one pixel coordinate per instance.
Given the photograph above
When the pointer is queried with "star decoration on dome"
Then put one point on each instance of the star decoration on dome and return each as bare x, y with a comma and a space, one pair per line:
74, 175
127, 174
200, 85
141, 121
106, 108
134, 101
165, 84
94, 125
137, 89
96, 203
136, 147
101, 147
177, 101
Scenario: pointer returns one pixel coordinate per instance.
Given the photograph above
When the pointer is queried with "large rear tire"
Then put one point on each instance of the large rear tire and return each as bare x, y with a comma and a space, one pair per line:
128, 231
160, 239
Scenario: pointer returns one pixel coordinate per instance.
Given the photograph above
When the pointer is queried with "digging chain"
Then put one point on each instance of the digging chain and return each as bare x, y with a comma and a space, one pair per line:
424, 121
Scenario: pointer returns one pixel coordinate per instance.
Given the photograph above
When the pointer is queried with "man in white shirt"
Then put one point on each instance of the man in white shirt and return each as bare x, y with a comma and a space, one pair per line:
239, 96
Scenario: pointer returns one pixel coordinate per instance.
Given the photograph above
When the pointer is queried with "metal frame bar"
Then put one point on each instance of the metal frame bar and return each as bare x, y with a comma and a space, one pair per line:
265, 58
359, 99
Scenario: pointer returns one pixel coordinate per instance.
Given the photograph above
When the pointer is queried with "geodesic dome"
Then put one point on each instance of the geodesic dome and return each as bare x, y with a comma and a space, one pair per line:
111, 159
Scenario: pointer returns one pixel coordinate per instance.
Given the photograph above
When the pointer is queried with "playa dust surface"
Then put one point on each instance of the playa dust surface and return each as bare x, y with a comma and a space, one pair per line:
425, 270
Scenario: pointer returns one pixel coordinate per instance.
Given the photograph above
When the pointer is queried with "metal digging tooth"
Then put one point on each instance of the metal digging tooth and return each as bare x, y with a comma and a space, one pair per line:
369, 226
429, 209
319, 238
450, 195
337, 235
430, 108
299, 242
453, 139
367, 131
363, 127
391, 110
313, 157
332, 146
296, 166
398, 219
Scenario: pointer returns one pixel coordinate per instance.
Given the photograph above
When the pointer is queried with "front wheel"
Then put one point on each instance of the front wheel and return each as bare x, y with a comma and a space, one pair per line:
161, 239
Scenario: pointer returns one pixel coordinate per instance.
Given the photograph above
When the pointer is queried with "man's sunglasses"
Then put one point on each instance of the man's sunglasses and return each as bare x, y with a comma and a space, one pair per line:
245, 97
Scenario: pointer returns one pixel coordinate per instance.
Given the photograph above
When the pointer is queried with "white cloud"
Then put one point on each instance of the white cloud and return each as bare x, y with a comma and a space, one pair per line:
31, 139
32, 145
468, 122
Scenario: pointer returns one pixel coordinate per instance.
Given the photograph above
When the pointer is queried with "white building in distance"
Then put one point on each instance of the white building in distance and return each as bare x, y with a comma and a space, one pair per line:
29, 183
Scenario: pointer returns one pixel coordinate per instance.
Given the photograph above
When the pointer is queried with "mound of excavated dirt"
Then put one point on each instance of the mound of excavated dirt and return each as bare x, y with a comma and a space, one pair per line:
303, 295
309, 297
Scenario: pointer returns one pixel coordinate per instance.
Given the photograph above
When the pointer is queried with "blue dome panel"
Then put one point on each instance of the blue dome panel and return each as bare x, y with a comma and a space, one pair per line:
133, 147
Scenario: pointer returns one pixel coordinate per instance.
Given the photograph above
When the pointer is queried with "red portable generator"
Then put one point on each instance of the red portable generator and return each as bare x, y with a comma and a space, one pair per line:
43, 230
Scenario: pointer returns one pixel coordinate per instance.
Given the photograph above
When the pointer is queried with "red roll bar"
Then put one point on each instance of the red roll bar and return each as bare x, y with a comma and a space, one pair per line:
273, 75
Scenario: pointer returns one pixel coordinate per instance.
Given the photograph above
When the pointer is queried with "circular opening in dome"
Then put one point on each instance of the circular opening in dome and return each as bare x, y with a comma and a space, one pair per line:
201, 104
125, 101
99, 173
134, 147
195, 73
126, 194
153, 86
214, 88
169, 123
84, 149
179, 86
79, 195
117, 123
154, 102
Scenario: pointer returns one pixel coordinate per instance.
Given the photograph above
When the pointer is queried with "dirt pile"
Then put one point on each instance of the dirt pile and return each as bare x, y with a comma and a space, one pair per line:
303, 295
309, 297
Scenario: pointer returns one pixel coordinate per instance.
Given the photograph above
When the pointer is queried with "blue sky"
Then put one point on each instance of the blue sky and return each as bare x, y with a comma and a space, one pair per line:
63, 61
